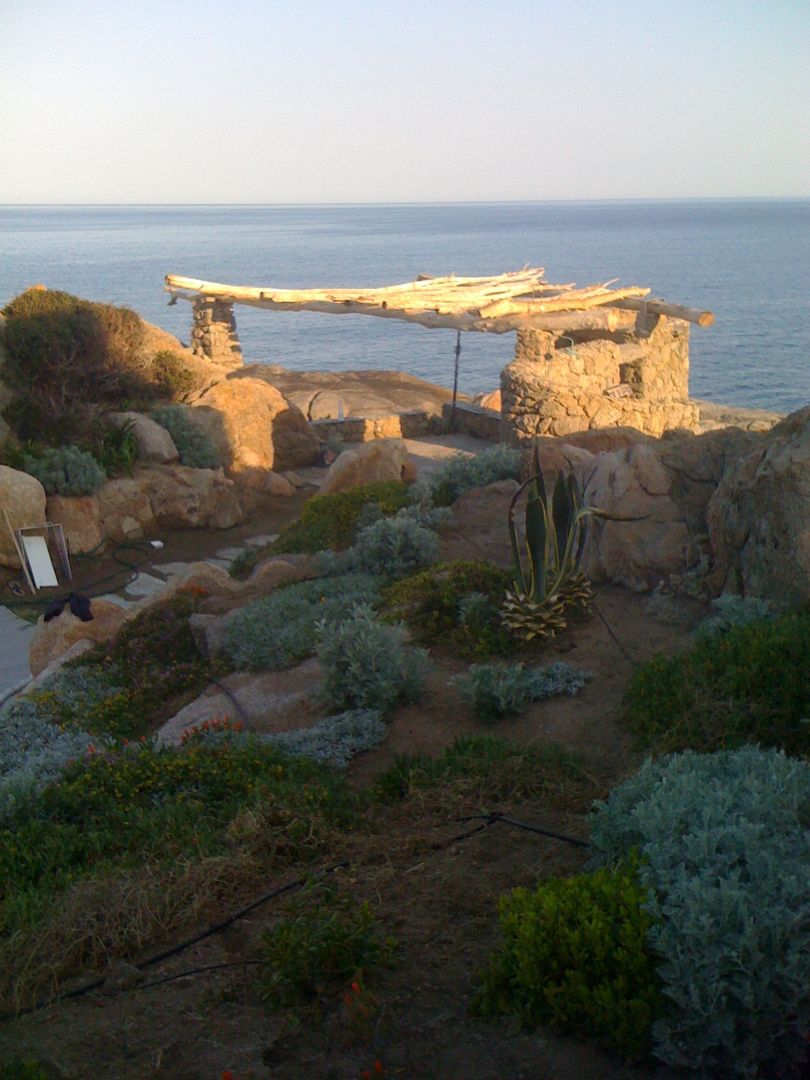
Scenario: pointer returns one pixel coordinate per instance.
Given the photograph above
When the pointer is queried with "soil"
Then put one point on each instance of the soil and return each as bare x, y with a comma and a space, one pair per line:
435, 892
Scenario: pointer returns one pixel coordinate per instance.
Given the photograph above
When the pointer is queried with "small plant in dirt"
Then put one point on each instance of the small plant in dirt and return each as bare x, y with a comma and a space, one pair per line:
66, 471
115, 449
279, 630
395, 547
330, 522
172, 376
722, 840
454, 604
24, 1069
751, 684
488, 768
731, 612
463, 473
575, 955
369, 665
496, 691
326, 940
194, 445
336, 739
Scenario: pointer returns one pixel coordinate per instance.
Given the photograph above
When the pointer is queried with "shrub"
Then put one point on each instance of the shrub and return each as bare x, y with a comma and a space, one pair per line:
326, 939
462, 473
575, 955
337, 739
496, 692
66, 471
435, 605
65, 355
194, 444
488, 768
116, 449
368, 665
750, 685
330, 521
730, 612
279, 630
394, 547
723, 844
172, 376
24, 1069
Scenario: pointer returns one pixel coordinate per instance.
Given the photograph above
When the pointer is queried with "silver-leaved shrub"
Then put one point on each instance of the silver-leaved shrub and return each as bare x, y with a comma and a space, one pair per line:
725, 853
730, 612
394, 548
279, 630
463, 473
369, 665
335, 740
498, 691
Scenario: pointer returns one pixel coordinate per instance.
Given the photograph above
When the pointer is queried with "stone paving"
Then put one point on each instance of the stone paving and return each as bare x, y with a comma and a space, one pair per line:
15, 635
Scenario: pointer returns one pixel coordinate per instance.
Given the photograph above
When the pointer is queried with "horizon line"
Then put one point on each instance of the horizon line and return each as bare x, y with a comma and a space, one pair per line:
441, 202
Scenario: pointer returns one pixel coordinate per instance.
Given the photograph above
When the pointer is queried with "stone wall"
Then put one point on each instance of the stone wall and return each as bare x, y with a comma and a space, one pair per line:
558, 385
213, 332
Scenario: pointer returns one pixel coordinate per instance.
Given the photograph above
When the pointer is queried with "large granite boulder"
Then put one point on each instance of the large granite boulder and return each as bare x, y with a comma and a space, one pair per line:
53, 638
256, 430
185, 498
23, 499
154, 443
759, 517
478, 529
368, 463
80, 518
125, 509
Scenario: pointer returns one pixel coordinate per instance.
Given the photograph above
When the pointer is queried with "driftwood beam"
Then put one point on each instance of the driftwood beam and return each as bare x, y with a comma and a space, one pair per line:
674, 311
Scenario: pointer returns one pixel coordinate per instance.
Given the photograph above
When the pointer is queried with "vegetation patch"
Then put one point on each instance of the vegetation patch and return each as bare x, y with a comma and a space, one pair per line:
575, 954
462, 473
66, 471
723, 844
750, 685
497, 692
194, 445
456, 604
173, 378
330, 522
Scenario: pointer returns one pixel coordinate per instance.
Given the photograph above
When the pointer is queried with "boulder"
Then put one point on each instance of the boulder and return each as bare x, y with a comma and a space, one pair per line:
492, 400
80, 518
53, 638
367, 463
759, 517
125, 508
478, 528
257, 431
226, 593
641, 553
185, 498
23, 499
153, 441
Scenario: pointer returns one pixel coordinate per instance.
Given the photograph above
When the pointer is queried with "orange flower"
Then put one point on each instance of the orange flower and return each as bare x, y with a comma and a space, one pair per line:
378, 1067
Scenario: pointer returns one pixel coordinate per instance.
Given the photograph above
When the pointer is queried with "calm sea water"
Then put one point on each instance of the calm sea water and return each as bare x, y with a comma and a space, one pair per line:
749, 261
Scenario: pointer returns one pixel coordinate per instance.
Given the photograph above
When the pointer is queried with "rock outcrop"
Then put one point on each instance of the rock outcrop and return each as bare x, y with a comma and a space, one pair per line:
154, 443
367, 463
53, 638
23, 498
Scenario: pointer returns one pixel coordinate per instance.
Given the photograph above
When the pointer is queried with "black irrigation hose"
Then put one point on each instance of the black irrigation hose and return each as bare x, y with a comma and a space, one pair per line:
494, 818
229, 693
616, 641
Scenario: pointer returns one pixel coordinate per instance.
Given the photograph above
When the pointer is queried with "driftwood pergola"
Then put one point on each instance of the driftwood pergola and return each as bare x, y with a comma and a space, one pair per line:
518, 300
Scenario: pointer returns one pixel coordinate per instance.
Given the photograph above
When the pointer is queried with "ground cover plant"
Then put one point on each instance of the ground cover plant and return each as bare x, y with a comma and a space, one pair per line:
330, 522
722, 842
463, 473
575, 954
279, 630
751, 684
66, 470
500, 691
194, 445
455, 604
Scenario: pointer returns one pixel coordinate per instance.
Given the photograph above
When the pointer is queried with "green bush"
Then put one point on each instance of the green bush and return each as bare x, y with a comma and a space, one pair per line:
435, 605
66, 471
325, 940
731, 612
172, 376
330, 522
394, 548
368, 665
575, 955
194, 445
24, 1069
463, 473
750, 685
115, 448
723, 843
496, 691
280, 630
65, 355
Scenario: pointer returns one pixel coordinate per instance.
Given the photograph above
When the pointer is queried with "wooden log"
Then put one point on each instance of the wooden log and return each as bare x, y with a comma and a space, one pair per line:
575, 301
674, 311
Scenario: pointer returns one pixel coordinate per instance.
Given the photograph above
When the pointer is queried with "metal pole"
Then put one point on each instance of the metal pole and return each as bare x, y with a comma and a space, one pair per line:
455, 381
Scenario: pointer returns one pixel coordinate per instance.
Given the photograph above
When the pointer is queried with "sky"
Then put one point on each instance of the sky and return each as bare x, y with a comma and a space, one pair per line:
306, 101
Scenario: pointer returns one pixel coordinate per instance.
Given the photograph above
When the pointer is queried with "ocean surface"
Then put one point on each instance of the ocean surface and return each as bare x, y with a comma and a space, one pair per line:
748, 261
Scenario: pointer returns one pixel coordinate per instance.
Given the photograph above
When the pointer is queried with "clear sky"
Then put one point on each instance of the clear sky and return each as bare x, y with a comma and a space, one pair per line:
402, 100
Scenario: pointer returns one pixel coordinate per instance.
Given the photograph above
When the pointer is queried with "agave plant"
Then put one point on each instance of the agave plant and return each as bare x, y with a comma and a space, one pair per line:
548, 578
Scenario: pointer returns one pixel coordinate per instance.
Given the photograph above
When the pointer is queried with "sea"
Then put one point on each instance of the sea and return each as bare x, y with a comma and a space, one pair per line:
746, 260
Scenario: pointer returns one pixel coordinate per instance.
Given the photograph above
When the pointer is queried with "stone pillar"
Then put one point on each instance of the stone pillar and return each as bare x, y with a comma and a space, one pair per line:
213, 332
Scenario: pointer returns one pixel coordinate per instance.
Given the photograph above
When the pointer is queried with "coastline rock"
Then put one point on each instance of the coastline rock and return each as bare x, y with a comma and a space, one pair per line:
256, 430
53, 638
23, 499
367, 463
80, 517
759, 517
492, 400
153, 441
